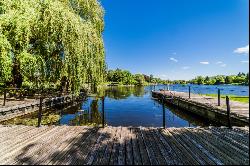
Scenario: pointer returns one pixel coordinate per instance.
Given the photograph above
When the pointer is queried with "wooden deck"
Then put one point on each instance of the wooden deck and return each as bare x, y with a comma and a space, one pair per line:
123, 145
236, 107
239, 110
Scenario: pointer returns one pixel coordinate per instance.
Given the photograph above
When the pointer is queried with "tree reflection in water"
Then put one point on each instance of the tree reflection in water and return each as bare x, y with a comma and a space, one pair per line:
121, 92
90, 116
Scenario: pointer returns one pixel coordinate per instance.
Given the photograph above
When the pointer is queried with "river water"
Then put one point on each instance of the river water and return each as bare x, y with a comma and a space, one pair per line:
131, 106
134, 106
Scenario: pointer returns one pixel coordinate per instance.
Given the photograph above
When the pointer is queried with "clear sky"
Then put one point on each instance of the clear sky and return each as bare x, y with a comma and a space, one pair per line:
177, 39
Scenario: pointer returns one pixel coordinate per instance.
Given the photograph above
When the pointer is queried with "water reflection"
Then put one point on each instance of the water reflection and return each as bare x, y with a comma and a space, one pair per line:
86, 115
124, 106
121, 92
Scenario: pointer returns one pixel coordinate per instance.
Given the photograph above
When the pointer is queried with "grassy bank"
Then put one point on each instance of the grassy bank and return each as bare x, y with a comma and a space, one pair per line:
243, 99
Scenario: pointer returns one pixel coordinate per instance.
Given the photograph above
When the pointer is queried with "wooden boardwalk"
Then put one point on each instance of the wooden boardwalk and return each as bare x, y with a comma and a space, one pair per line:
239, 110
15, 108
123, 145
236, 107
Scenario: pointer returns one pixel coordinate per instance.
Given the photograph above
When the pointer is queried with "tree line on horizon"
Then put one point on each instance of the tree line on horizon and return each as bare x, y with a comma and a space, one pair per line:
240, 79
124, 77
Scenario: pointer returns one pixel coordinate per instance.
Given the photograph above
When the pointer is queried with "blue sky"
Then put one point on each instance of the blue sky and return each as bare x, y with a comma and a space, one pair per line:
177, 39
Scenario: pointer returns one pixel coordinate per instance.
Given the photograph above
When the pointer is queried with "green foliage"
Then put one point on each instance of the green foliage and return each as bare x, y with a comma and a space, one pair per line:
240, 79
51, 39
5, 59
243, 99
139, 79
124, 77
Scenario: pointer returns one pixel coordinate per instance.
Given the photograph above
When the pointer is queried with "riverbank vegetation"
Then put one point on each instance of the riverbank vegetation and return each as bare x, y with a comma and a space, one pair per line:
125, 77
243, 99
239, 79
51, 43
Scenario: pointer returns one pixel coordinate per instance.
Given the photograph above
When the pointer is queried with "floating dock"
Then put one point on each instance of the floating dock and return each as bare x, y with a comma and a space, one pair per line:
68, 145
206, 107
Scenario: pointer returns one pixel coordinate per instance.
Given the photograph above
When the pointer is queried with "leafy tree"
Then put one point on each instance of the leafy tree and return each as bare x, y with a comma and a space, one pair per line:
51, 40
219, 80
207, 80
228, 80
140, 79
200, 80
247, 79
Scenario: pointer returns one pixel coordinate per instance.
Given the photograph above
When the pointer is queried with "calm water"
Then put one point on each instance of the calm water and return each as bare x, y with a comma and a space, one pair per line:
209, 89
131, 106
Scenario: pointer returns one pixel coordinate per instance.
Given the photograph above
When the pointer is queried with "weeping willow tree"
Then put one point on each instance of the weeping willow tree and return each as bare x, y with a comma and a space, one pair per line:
47, 42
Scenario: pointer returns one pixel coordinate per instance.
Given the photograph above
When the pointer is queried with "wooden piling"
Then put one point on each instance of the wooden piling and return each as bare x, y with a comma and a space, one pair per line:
103, 113
189, 92
40, 112
228, 112
4, 97
218, 97
163, 114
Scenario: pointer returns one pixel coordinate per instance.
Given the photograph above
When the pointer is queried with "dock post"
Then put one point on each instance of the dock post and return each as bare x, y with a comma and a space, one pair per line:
4, 97
228, 113
163, 114
40, 112
103, 120
218, 97
189, 91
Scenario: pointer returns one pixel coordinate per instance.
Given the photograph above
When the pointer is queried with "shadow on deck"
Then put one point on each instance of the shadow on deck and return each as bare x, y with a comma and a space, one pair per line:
123, 145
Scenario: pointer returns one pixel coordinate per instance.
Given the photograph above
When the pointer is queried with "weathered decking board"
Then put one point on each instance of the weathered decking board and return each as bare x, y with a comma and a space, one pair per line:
123, 145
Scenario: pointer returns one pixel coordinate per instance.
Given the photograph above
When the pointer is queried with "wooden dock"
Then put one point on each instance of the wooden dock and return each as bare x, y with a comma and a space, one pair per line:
64, 102
206, 106
123, 145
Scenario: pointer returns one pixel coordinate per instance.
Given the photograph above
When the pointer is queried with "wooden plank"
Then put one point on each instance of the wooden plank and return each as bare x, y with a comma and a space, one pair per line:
142, 148
70, 148
201, 148
93, 152
243, 138
170, 152
105, 159
31, 138
32, 152
122, 153
103, 146
156, 150
115, 150
52, 147
135, 147
177, 146
62, 147
187, 146
81, 145
197, 151
236, 154
80, 150
7, 129
17, 136
128, 146
230, 140
151, 155
209, 147
12, 142
10, 131
160, 146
